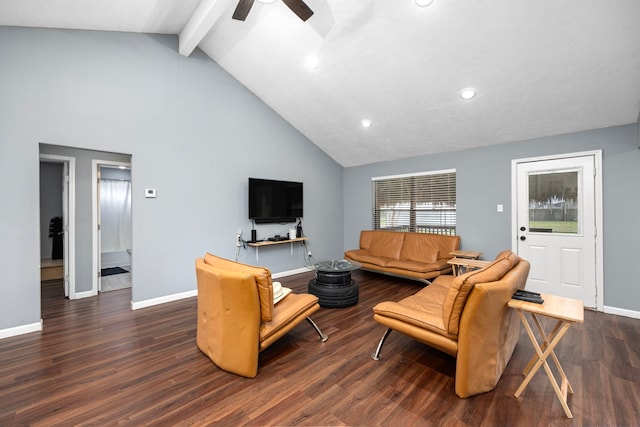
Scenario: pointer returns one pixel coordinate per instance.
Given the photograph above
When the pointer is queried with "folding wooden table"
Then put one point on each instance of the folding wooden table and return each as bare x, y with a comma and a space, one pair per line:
566, 312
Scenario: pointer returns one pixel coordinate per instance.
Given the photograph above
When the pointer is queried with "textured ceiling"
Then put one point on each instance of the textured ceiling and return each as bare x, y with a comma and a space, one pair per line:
540, 68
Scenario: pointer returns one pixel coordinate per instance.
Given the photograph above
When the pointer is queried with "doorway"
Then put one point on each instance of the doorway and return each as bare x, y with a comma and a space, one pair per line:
112, 216
57, 221
557, 212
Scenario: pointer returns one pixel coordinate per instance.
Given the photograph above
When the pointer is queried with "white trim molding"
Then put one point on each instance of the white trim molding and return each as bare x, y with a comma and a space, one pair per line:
622, 312
291, 272
162, 300
20, 330
194, 293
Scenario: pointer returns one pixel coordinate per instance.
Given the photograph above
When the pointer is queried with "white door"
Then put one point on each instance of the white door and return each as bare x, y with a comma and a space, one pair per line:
556, 225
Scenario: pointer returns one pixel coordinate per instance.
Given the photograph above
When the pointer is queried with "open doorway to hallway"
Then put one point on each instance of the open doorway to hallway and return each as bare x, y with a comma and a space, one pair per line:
82, 235
113, 206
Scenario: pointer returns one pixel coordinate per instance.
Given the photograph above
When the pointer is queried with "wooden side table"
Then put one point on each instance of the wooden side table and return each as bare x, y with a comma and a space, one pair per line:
464, 265
566, 312
466, 254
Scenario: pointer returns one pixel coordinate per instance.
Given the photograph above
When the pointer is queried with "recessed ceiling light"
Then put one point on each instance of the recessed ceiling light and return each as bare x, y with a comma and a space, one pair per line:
424, 3
468, 93
366, 123
312, 62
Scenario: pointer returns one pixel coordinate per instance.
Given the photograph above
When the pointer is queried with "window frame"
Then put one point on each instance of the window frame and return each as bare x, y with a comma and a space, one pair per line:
442, 212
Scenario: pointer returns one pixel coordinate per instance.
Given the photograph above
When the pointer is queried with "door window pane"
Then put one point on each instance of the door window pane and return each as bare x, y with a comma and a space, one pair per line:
553, 202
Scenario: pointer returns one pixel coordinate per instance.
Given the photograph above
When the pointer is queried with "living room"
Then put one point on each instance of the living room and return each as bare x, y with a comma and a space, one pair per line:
195, 134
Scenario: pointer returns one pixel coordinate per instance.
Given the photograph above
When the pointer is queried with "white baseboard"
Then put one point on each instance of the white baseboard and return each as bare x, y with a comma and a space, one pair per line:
19, 330
175, 297
291, 272
622, 312
85, 294
162, 300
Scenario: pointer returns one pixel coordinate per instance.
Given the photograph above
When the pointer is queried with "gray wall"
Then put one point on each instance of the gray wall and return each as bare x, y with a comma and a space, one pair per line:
134, 94
484, 180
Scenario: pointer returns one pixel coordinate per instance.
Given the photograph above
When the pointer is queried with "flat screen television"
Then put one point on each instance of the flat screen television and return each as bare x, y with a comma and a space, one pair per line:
272, 201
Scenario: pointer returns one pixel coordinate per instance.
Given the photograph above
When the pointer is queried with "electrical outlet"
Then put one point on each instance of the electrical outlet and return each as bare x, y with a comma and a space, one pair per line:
239, 238
309, 254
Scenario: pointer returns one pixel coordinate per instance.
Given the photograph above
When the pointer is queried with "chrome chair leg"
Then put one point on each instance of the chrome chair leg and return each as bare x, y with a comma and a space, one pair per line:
322, 337
376, 355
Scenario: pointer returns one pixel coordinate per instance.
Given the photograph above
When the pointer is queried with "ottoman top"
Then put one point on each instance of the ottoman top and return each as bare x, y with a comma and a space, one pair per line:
336, 265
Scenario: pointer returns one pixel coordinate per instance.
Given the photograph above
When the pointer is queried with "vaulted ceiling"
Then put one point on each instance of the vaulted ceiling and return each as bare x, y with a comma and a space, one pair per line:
539, 68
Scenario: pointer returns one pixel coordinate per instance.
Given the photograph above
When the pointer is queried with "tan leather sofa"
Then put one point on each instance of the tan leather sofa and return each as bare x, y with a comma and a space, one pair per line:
237, 317
465, 316
418, 256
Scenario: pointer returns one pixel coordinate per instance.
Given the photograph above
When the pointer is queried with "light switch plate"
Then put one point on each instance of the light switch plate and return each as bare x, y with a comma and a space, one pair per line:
500, 208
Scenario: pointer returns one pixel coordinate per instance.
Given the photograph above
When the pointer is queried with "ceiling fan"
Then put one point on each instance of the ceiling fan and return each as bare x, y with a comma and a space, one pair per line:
297, 6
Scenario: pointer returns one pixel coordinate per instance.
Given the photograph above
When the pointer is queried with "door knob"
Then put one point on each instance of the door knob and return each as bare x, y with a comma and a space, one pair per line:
523, 228
523, 237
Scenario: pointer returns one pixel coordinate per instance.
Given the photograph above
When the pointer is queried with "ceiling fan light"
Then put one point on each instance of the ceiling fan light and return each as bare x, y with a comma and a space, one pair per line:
468, 93
424, 3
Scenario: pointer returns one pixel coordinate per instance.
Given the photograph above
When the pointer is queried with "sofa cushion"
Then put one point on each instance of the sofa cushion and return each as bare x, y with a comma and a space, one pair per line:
419, 247
419, 267
422, 309
386, 244
365, 238
445, 244
365, 258
286, 313
462, 285
263, 280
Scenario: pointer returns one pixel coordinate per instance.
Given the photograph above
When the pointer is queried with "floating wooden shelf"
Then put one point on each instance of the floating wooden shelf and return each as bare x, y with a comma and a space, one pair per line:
258, 245
269, 242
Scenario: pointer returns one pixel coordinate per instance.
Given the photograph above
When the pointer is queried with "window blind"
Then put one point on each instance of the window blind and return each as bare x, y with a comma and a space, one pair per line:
424, 203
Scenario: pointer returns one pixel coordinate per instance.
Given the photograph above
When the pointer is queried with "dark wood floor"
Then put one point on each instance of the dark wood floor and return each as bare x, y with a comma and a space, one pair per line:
98, 363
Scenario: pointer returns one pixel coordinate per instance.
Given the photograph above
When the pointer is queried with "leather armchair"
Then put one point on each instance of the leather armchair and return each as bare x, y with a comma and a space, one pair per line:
465, 316
237, 317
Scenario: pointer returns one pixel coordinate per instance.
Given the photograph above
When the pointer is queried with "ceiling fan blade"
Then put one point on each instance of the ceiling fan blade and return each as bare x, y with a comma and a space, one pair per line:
300, 8
242, 9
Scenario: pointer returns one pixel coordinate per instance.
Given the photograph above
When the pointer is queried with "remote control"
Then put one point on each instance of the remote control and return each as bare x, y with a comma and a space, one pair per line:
531, 293
533, 299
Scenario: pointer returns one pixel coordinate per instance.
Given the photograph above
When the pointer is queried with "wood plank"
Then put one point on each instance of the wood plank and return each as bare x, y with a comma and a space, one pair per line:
98, 362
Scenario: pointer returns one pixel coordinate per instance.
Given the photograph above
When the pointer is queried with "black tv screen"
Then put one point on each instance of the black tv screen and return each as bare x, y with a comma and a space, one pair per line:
272, 201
